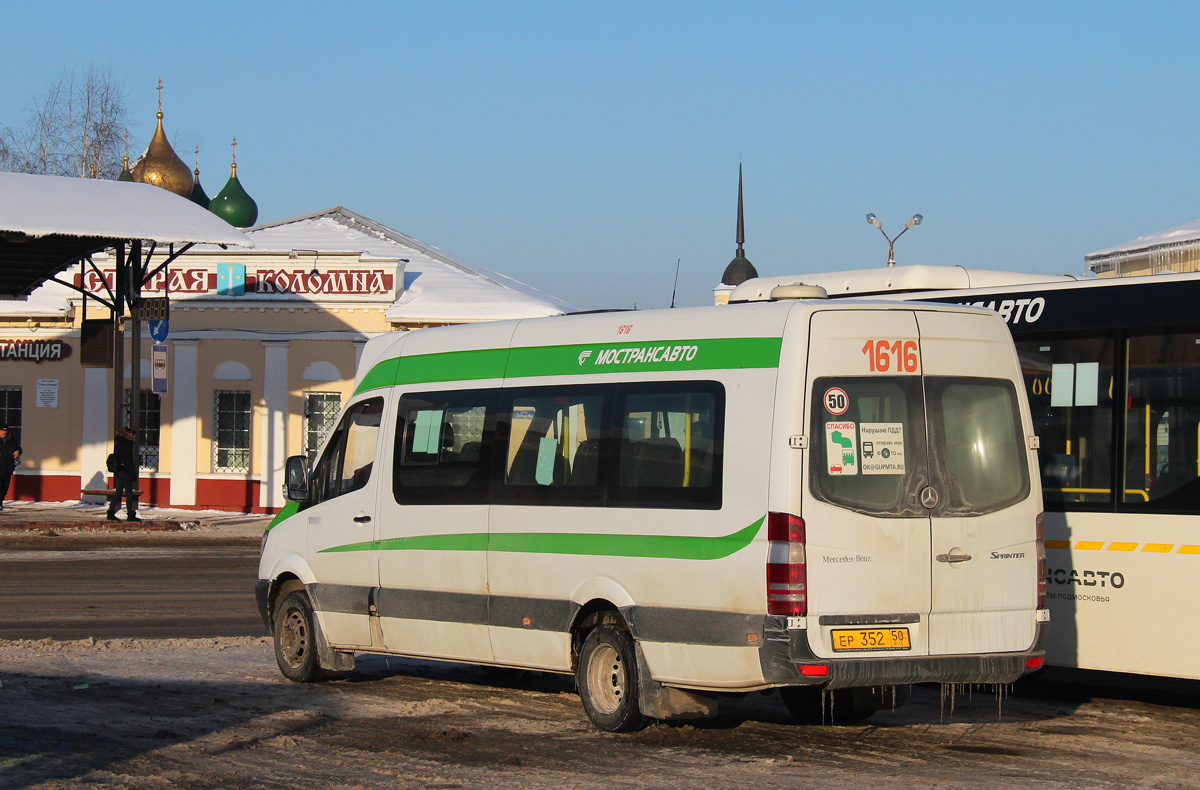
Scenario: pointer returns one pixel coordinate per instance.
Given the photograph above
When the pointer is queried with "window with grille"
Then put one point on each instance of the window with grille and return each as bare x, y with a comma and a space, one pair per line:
320, 414
10, 410
150, 418
231, 431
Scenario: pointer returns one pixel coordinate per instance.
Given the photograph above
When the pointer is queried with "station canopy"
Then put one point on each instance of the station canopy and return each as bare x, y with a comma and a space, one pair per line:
48, 223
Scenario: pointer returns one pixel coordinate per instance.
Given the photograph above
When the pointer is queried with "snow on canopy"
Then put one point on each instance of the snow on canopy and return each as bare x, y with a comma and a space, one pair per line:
439, 288
40, 206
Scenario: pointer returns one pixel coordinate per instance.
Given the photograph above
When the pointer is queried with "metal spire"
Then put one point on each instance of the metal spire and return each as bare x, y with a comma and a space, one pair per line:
741, 225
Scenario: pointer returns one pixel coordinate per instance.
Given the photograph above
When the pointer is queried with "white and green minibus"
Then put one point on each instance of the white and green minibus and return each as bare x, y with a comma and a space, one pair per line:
831, 498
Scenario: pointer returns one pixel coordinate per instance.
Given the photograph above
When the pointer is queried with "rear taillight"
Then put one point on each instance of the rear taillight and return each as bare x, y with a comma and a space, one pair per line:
1041, 560
787, 576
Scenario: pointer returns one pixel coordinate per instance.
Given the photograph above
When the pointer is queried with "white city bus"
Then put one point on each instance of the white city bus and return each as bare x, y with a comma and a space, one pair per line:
1112, 373
808, 495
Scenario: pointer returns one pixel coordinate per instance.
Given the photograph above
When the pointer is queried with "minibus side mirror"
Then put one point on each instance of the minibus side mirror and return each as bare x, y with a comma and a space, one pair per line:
295, 487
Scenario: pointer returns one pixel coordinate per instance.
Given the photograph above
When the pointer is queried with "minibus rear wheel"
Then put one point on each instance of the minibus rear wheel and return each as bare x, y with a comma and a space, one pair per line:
608, 680
296, 639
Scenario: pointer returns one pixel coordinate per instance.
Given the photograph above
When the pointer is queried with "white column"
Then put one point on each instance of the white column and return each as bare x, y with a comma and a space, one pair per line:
274, 429
358, 349
95, 441
185, 423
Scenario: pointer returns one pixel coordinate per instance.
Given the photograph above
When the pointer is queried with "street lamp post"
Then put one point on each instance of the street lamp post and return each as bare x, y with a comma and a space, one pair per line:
874, 220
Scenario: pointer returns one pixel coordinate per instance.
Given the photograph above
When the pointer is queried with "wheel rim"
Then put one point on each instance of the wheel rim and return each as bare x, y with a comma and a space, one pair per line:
293, 638
606, 679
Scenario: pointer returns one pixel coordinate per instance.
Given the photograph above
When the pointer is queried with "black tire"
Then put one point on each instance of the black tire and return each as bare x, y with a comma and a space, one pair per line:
843, 706
608, 680
295, 635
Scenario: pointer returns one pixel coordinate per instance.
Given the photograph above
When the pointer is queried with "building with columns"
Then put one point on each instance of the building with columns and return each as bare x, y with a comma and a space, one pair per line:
260, 351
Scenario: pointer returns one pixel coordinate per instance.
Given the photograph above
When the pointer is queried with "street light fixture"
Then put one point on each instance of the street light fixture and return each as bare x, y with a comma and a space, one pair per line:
874, 220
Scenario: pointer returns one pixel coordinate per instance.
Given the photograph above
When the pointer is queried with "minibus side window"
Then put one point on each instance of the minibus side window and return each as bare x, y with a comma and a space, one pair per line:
555, 448
554, 440
443, 447
349, 457
868, 444
670, 443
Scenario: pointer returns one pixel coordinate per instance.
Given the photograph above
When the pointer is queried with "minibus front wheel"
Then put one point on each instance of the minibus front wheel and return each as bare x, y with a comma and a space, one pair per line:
296, 639
608, 680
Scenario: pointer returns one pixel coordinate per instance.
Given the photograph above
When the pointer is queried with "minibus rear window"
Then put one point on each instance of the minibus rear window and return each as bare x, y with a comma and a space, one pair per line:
979, 449
868, 444
874, 449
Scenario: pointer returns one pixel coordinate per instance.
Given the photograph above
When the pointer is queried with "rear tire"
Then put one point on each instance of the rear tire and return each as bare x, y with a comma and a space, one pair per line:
295, 635
608, 680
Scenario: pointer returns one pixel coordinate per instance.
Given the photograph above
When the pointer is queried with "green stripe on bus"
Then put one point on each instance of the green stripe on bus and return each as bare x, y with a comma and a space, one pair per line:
287, 511
576, 359
482, 363
641, 357
674, 547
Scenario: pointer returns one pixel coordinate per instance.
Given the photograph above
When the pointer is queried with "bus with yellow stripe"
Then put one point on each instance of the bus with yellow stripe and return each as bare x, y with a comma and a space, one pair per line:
1112, 373
832, 499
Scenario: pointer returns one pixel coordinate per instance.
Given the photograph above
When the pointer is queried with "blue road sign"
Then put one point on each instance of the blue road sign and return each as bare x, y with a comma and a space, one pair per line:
158, 331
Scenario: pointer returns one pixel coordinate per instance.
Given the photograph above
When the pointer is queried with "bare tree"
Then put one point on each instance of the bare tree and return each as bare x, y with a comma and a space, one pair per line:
76, 129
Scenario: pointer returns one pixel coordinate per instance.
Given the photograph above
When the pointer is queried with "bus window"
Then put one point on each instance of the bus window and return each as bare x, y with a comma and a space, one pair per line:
979, 448
669, 448
1069, 383
554, 440
349, 457
1162, 425
443, 447
870, 456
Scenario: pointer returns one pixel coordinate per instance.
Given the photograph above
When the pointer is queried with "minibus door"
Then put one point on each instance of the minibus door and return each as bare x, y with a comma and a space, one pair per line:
984, 570
340, 524
867, 536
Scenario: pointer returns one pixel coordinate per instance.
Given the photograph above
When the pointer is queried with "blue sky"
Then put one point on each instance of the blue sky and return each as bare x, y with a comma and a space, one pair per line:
584, 147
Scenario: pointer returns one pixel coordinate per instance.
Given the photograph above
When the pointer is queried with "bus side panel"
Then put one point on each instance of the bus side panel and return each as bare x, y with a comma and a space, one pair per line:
693, 576
1111, 590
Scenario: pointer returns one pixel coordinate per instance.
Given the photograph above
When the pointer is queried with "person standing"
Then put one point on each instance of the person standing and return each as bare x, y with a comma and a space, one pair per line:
125, 476
10, 451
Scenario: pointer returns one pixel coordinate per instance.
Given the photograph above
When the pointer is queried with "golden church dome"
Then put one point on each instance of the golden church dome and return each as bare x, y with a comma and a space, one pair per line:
160, 165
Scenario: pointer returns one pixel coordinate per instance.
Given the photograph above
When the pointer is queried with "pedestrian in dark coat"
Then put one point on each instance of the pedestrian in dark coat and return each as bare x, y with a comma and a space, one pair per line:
125, 476
10, 451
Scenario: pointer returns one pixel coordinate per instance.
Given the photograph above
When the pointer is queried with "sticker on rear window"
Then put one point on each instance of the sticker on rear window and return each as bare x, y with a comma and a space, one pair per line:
836, 401
882, 448
840, 455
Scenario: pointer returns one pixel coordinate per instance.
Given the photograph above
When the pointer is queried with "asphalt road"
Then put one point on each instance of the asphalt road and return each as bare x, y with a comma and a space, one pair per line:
156, 588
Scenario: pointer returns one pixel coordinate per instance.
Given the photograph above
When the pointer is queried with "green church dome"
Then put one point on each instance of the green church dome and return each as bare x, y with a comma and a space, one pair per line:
232, 203
198, 196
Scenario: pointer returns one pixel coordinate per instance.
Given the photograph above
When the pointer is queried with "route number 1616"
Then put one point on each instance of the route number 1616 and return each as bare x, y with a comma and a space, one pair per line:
898, 355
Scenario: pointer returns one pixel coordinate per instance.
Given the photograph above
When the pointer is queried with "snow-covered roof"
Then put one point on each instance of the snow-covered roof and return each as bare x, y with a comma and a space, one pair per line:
47, 223
38, 206
438, 287
1178, 235
895, 279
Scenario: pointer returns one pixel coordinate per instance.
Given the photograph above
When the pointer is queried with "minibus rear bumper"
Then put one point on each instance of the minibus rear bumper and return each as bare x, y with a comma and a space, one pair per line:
787, 660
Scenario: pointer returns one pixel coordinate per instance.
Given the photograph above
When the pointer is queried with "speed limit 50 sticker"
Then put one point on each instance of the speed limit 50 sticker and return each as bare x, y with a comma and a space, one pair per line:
836, 400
